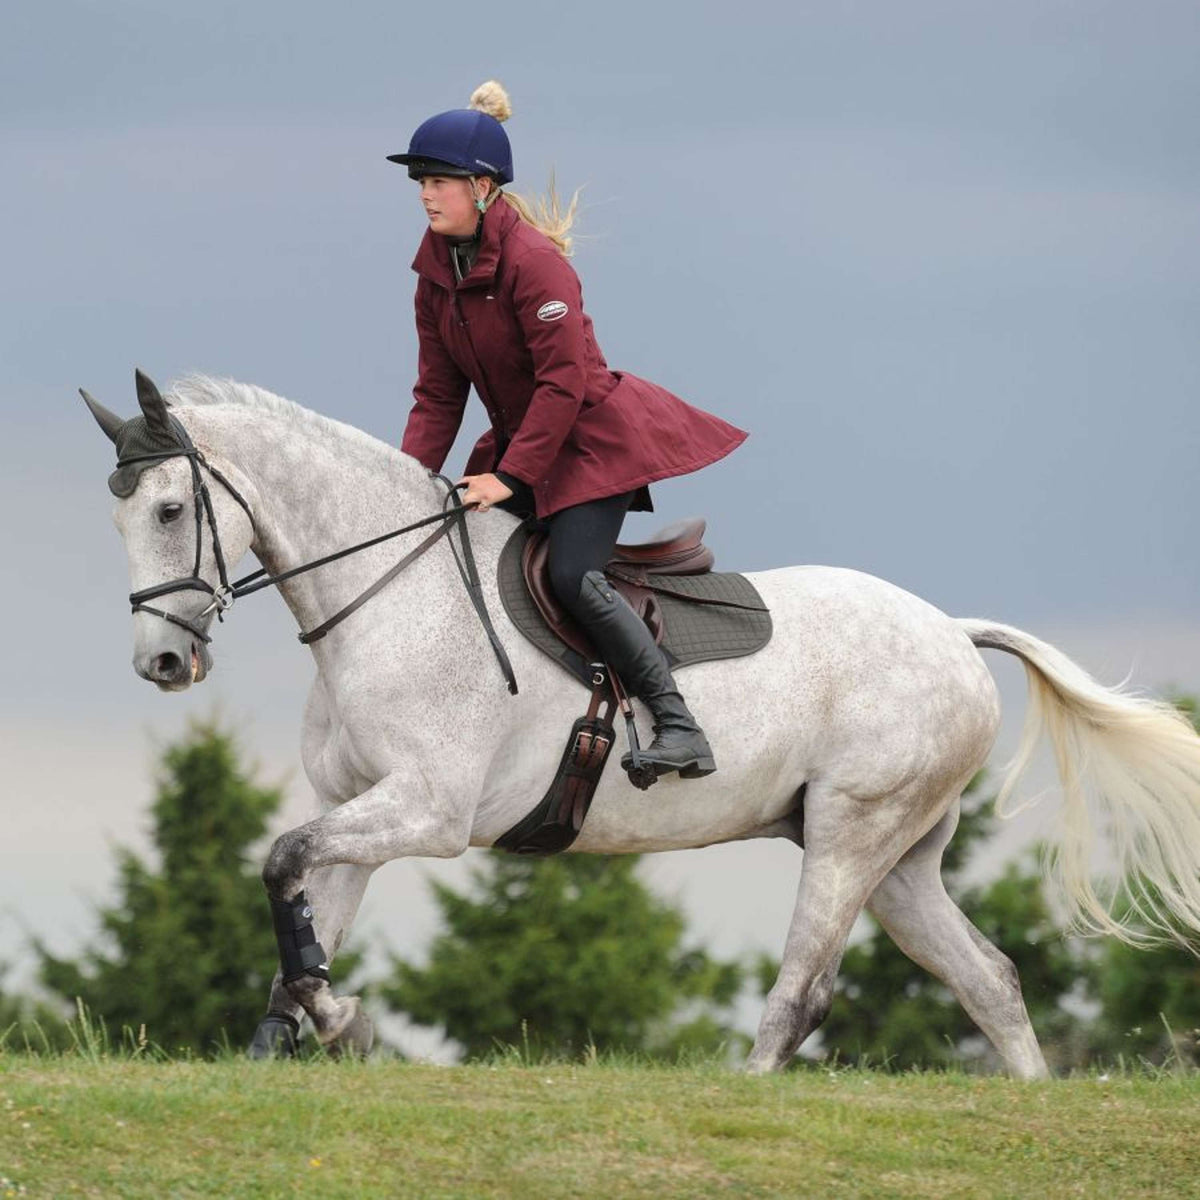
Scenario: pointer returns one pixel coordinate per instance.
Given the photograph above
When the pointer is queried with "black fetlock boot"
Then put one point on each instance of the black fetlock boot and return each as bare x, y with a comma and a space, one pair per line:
627, 645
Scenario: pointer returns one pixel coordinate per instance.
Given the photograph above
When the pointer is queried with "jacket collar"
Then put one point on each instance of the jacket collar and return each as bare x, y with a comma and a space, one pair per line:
433, 254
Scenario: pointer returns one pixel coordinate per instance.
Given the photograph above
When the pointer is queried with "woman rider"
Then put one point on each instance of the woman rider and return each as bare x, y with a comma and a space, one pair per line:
498, 306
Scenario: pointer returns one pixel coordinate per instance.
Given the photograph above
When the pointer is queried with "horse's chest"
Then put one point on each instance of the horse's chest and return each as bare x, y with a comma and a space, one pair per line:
333, 761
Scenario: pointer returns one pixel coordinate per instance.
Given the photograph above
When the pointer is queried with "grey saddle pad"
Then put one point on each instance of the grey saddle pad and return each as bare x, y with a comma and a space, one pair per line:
694, 632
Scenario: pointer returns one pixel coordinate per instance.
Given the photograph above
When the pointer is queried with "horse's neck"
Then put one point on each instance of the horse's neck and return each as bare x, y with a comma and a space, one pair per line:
314, 494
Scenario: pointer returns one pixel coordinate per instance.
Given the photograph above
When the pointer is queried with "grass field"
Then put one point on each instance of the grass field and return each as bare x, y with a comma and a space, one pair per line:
120, 1126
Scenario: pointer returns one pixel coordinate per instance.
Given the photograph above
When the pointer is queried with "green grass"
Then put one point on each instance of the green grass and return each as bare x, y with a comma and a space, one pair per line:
128, 1125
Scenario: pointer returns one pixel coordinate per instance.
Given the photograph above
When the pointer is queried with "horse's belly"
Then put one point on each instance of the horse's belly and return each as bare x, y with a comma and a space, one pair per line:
680, 814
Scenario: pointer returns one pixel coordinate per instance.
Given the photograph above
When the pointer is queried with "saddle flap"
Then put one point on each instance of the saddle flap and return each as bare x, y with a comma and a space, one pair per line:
535, 568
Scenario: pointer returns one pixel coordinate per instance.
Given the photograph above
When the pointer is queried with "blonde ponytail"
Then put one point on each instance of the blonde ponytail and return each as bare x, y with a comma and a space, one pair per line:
545, 213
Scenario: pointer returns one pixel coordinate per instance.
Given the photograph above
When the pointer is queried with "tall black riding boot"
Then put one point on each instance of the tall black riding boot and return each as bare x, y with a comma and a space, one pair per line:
627, 645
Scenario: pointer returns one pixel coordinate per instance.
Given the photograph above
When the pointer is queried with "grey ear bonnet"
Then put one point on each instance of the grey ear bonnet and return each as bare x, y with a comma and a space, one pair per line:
142, 441
136, 438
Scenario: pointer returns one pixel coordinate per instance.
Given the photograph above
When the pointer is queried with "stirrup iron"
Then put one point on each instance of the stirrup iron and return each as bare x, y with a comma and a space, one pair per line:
641, 773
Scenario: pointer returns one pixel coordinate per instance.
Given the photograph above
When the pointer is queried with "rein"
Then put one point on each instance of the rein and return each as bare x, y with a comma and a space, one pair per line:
225, 593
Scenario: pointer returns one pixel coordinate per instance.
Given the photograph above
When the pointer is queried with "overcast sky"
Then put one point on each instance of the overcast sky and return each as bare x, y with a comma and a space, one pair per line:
941, 259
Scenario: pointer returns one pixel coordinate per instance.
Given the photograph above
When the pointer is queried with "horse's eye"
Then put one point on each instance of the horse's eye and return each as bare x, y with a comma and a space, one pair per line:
169, 512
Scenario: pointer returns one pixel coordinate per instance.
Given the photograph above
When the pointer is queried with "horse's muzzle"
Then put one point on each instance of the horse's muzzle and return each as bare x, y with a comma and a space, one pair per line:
172, 672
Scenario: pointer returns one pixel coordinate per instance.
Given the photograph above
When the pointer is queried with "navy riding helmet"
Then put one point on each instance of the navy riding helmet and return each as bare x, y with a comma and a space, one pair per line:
463, 141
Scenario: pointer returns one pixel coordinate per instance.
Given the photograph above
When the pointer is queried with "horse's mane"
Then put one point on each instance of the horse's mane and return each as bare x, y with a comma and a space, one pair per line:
205, 391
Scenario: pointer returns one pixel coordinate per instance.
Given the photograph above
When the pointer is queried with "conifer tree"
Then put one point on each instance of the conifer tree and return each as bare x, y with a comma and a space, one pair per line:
187, 950
561, 954
28, 1023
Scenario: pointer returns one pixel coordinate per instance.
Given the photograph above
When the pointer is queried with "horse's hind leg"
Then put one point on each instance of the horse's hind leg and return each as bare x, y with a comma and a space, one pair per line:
849, 846
912, 906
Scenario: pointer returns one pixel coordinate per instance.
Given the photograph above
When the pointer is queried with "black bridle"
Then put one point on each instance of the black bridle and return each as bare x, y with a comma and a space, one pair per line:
225, 593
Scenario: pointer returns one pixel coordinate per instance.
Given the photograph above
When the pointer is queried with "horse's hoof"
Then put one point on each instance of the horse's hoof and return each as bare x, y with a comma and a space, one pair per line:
356, 1037
275, 1037
762, 1062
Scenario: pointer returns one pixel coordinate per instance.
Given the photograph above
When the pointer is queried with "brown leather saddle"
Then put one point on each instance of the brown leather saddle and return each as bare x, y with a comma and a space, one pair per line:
676, 550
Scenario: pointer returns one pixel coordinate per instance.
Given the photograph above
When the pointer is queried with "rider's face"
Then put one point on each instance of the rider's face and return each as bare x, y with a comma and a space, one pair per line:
449, 203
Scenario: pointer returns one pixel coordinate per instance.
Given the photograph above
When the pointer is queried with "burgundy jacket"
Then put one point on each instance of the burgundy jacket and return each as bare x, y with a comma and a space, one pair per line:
561, 420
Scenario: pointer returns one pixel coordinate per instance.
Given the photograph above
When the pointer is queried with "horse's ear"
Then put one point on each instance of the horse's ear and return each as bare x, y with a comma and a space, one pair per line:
154, 407
108, 421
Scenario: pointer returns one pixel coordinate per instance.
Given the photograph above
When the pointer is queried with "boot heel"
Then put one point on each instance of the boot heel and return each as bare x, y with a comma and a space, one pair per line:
698, 769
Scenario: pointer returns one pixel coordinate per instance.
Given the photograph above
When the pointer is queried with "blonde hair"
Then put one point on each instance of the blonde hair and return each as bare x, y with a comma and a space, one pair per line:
547, 213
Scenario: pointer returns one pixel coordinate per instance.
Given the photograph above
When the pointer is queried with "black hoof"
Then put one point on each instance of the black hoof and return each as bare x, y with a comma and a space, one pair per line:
276, 1037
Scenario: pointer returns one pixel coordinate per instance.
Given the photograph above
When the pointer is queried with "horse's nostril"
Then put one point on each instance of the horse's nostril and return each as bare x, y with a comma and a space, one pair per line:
167, 666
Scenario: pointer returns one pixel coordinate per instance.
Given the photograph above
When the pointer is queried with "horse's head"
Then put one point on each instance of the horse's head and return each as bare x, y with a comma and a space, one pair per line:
180, 534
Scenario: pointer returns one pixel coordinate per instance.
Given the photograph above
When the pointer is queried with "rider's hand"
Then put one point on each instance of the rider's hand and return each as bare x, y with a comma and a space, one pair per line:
485, 490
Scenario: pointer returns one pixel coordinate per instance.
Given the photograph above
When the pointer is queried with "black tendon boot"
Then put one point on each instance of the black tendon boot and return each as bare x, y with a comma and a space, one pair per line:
627, 645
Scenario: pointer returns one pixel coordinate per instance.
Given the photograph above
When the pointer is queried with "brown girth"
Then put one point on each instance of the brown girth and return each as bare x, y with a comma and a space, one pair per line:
555, 823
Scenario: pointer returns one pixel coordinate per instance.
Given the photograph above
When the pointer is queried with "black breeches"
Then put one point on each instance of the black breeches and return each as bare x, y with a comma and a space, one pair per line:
582, 538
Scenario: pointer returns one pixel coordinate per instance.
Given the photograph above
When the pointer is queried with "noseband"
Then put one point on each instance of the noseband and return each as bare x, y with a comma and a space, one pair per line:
225, 593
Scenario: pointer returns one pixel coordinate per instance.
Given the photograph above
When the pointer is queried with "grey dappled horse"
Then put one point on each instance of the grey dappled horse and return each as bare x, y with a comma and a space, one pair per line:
873, 702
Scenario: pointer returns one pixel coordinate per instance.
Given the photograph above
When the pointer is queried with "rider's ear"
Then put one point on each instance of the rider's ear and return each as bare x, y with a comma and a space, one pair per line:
154, 407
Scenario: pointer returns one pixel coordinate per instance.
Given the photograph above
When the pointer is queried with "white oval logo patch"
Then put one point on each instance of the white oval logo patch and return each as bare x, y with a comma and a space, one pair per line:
554, 310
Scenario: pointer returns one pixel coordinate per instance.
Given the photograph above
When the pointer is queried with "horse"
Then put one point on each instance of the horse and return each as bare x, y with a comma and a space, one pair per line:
852, 733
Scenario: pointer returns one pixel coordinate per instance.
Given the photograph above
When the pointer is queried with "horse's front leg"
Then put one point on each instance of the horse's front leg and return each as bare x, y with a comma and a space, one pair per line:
397, 817
334, 894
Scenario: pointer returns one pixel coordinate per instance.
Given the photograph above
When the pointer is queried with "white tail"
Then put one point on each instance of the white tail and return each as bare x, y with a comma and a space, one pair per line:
1127, 763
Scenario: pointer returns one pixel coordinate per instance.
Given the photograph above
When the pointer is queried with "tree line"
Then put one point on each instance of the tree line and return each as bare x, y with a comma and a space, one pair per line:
567, 955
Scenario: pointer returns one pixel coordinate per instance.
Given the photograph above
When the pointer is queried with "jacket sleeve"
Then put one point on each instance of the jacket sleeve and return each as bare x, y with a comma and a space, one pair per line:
549, 307
440, 393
